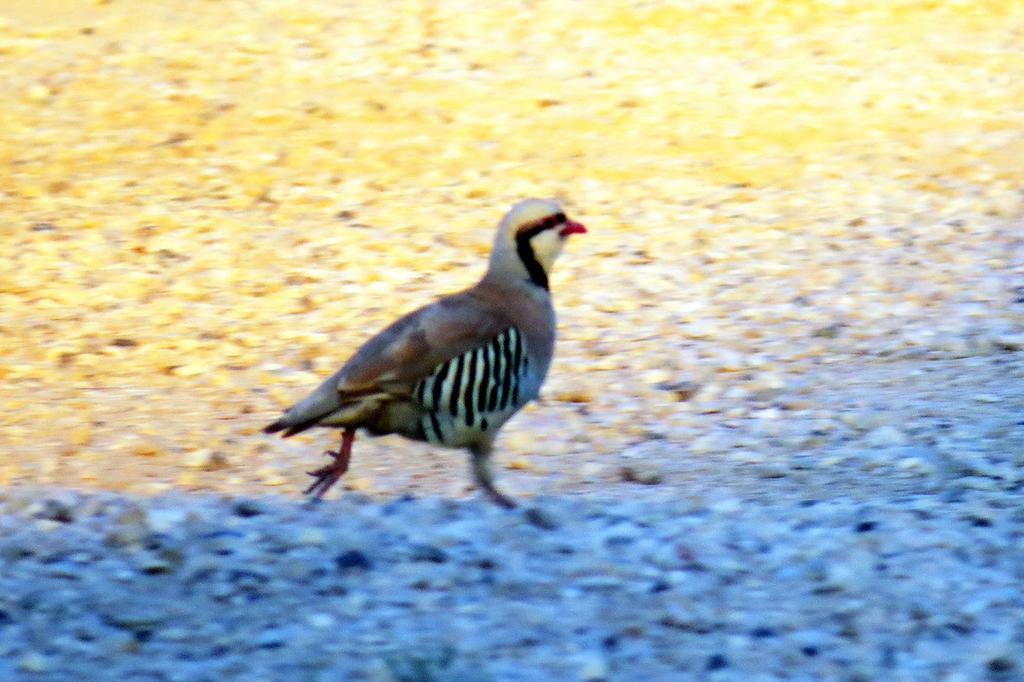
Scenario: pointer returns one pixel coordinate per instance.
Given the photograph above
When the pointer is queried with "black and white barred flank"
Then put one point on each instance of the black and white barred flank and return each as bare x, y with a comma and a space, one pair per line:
474, 391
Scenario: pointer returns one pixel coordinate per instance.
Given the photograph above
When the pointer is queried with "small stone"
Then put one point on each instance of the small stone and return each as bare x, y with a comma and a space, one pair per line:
862, 421
707, 444
56, 510
33, 663
310, 537
1001, 665
271, 475
141, 446
154, 565
175, 634
130, 527
822, 426
717, 662
656, 377
273, 638
352, 560
135, 617
428, 553
1009, 342
80, 435
770, 470
727, 505
591, 666
643, 473
682, 390
39, 92
829, 332
917, 464
164, 520
885, 436
247, 508
205, 459
359, 484
574, 394
321, 621
766, 386
47, 525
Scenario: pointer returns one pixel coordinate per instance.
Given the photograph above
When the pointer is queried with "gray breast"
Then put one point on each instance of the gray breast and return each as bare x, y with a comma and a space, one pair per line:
474, 393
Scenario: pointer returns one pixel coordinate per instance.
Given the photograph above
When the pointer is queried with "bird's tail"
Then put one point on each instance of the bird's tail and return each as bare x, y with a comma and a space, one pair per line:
290, 427
308, 412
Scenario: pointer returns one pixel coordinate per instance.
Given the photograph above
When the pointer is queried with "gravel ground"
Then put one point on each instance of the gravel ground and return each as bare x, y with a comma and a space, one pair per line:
917, 586
783, 434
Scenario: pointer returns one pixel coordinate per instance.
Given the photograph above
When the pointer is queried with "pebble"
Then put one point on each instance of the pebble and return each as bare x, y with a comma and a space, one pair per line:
309, 537
33, 663
1010, 341
590, 666
153, 565
129, 527
727, 505
271, 475
643, 473
165, 520
707, 444
863, 421
321, 621
135, 616
352, 560
885, 437
769, 470
206, 459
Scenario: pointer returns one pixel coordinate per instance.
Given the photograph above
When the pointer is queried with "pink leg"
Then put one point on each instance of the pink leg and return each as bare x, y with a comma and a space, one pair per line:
329, 475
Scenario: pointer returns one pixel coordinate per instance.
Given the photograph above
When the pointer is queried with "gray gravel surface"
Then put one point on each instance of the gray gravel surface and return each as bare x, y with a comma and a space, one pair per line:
920, 586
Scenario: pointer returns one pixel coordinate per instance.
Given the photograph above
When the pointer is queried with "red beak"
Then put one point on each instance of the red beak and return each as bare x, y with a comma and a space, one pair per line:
572, 227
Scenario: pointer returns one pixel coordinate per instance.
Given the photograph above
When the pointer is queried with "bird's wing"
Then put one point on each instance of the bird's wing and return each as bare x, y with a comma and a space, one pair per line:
389, 365
416, 344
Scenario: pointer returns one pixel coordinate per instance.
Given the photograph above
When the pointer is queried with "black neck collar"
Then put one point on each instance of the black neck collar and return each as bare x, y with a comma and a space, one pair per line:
525, 250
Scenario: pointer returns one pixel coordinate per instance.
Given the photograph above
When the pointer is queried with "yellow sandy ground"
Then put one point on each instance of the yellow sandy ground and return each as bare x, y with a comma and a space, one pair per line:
205, 206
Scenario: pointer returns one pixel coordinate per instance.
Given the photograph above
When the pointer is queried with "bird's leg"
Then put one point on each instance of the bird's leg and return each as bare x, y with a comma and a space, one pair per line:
329, 475
485, 479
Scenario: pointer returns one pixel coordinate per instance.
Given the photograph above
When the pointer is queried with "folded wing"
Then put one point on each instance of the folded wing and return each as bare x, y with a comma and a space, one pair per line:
390, 365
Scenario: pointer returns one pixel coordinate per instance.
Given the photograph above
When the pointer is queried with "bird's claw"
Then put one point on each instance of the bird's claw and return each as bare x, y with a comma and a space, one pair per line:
326, 476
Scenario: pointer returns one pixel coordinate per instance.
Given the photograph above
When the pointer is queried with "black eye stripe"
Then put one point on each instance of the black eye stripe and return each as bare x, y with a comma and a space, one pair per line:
551, 221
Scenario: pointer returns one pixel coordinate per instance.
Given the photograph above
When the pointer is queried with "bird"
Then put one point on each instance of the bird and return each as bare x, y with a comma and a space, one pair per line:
452, 372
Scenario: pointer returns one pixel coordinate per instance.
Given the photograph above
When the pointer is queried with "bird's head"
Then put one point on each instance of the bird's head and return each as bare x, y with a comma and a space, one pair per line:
529, 240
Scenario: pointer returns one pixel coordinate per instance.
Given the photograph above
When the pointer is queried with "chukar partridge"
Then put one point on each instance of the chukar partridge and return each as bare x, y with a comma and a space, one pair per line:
454, 371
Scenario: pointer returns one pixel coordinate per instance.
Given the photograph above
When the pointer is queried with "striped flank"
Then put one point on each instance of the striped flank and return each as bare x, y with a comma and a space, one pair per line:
469, 391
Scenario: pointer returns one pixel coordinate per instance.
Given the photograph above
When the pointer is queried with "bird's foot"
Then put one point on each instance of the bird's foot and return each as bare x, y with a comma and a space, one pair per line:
499, 498
327, 476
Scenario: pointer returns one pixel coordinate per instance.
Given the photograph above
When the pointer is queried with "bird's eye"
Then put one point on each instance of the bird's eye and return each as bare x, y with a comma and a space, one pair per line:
553, 221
